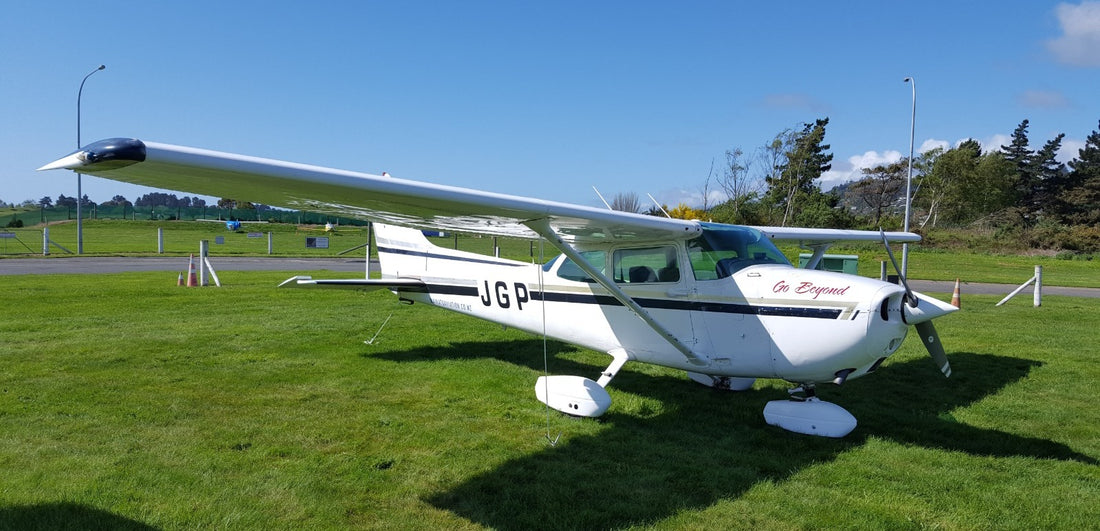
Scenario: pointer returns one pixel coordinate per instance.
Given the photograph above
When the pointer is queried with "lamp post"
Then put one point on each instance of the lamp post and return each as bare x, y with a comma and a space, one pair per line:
79, 192
909, 179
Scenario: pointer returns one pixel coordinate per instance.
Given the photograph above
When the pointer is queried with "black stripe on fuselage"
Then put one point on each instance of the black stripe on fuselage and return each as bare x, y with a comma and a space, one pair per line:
425, 254
661, 304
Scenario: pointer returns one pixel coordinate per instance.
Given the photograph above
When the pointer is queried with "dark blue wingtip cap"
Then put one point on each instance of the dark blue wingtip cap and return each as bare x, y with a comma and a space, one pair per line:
114, 152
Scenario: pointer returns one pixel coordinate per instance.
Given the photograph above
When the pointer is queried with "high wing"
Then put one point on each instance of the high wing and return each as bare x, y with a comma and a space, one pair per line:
810, 237
383, 198
358, 195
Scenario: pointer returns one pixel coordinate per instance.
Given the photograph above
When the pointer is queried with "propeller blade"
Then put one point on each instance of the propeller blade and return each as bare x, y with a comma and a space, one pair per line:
931, 341
912, 301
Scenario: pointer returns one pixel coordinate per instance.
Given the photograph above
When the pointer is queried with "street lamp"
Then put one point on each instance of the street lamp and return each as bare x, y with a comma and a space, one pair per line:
909, 179
79, 193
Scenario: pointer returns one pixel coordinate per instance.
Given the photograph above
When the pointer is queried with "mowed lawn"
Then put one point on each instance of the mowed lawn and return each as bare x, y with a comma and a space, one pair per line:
127, 402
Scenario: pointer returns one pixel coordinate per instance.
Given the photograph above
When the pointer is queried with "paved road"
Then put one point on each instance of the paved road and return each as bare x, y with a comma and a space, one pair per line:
86, 264
933, 286
95, 264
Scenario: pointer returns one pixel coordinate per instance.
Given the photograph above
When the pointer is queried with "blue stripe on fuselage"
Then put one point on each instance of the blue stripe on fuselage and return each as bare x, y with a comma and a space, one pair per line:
662, 304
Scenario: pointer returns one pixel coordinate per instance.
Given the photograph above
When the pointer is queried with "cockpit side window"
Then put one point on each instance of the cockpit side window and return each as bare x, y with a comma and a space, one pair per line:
722, 250
649, 264
569, 269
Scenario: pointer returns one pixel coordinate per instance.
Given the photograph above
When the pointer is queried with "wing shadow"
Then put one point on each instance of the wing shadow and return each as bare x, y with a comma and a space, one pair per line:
65, 515
708, 445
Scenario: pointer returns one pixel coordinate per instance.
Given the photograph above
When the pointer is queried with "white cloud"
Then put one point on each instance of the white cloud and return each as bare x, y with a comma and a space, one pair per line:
1042, 99
1080, 38
932, 143
851, 169
992, 143
1070, 150
691, 198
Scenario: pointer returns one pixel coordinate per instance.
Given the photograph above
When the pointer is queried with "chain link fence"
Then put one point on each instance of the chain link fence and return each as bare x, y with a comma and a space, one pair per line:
53, 214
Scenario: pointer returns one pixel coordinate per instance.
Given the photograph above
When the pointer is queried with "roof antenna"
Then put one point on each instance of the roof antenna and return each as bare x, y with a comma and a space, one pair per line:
659, 207
601, 198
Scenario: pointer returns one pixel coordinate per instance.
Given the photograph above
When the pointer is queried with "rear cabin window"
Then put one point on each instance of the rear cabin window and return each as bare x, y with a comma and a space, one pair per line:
649, 264
722, 250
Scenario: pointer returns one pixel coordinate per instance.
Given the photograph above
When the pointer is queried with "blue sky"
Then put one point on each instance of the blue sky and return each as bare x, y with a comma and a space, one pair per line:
537, 99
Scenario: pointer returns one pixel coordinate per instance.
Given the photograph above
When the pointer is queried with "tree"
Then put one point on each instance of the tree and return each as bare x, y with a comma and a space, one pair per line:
1017, 151
977, 184
63, 201
45, 202
158, 199
626, 202
739, 185
1049, 177
930, 188
948, 173
682, 211
805, 159
116, 201
880, 189
1081, 198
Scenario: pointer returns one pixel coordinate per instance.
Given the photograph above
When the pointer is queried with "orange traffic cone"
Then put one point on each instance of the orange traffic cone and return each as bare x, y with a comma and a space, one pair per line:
955, 295
179, 280
192, 280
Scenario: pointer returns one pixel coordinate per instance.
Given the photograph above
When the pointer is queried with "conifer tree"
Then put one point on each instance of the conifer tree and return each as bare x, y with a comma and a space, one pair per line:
1081, 198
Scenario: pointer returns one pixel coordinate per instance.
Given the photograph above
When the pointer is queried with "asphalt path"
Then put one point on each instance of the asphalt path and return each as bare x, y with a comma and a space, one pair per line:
95, 265
115, 264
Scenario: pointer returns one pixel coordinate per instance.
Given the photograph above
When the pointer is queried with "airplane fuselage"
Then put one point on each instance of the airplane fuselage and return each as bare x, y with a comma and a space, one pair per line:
766, 320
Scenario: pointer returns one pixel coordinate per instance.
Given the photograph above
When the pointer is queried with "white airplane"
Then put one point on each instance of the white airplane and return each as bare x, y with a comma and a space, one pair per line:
720, 302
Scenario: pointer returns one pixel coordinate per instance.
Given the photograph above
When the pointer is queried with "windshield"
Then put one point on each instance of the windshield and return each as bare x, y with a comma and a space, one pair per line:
722, 250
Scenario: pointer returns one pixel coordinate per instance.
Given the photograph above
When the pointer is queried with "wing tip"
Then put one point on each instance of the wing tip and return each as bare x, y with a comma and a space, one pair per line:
103, 154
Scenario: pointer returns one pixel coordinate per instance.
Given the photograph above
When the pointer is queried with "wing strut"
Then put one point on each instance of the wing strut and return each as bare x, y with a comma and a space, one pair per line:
543, 228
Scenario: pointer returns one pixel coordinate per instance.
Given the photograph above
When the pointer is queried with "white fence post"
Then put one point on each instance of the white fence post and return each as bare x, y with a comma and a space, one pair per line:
1038, 297
160, 240
204, 248
46, 241
1037, 279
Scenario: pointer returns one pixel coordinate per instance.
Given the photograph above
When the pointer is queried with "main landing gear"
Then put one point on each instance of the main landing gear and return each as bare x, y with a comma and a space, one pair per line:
577, 395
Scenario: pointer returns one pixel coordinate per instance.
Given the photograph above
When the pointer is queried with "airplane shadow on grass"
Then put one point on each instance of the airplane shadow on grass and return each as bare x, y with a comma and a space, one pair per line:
706, 445
65, 515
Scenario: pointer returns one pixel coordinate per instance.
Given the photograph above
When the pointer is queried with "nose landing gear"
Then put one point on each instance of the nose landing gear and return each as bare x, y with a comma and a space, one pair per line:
806, 414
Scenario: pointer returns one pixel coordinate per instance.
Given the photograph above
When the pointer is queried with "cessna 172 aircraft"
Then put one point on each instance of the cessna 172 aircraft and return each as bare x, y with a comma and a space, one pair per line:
720, 302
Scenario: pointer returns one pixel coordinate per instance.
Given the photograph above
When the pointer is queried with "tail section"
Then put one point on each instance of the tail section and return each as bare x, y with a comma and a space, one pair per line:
407, 253
402, 252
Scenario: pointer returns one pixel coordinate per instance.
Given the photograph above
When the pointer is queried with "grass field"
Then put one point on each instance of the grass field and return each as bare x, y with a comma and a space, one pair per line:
126, 402
134, 238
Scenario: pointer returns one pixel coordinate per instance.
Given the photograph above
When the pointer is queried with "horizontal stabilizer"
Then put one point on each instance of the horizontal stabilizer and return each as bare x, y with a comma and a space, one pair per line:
356, 283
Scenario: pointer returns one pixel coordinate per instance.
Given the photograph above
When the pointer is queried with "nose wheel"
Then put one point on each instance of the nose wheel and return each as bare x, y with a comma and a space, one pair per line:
807, 414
